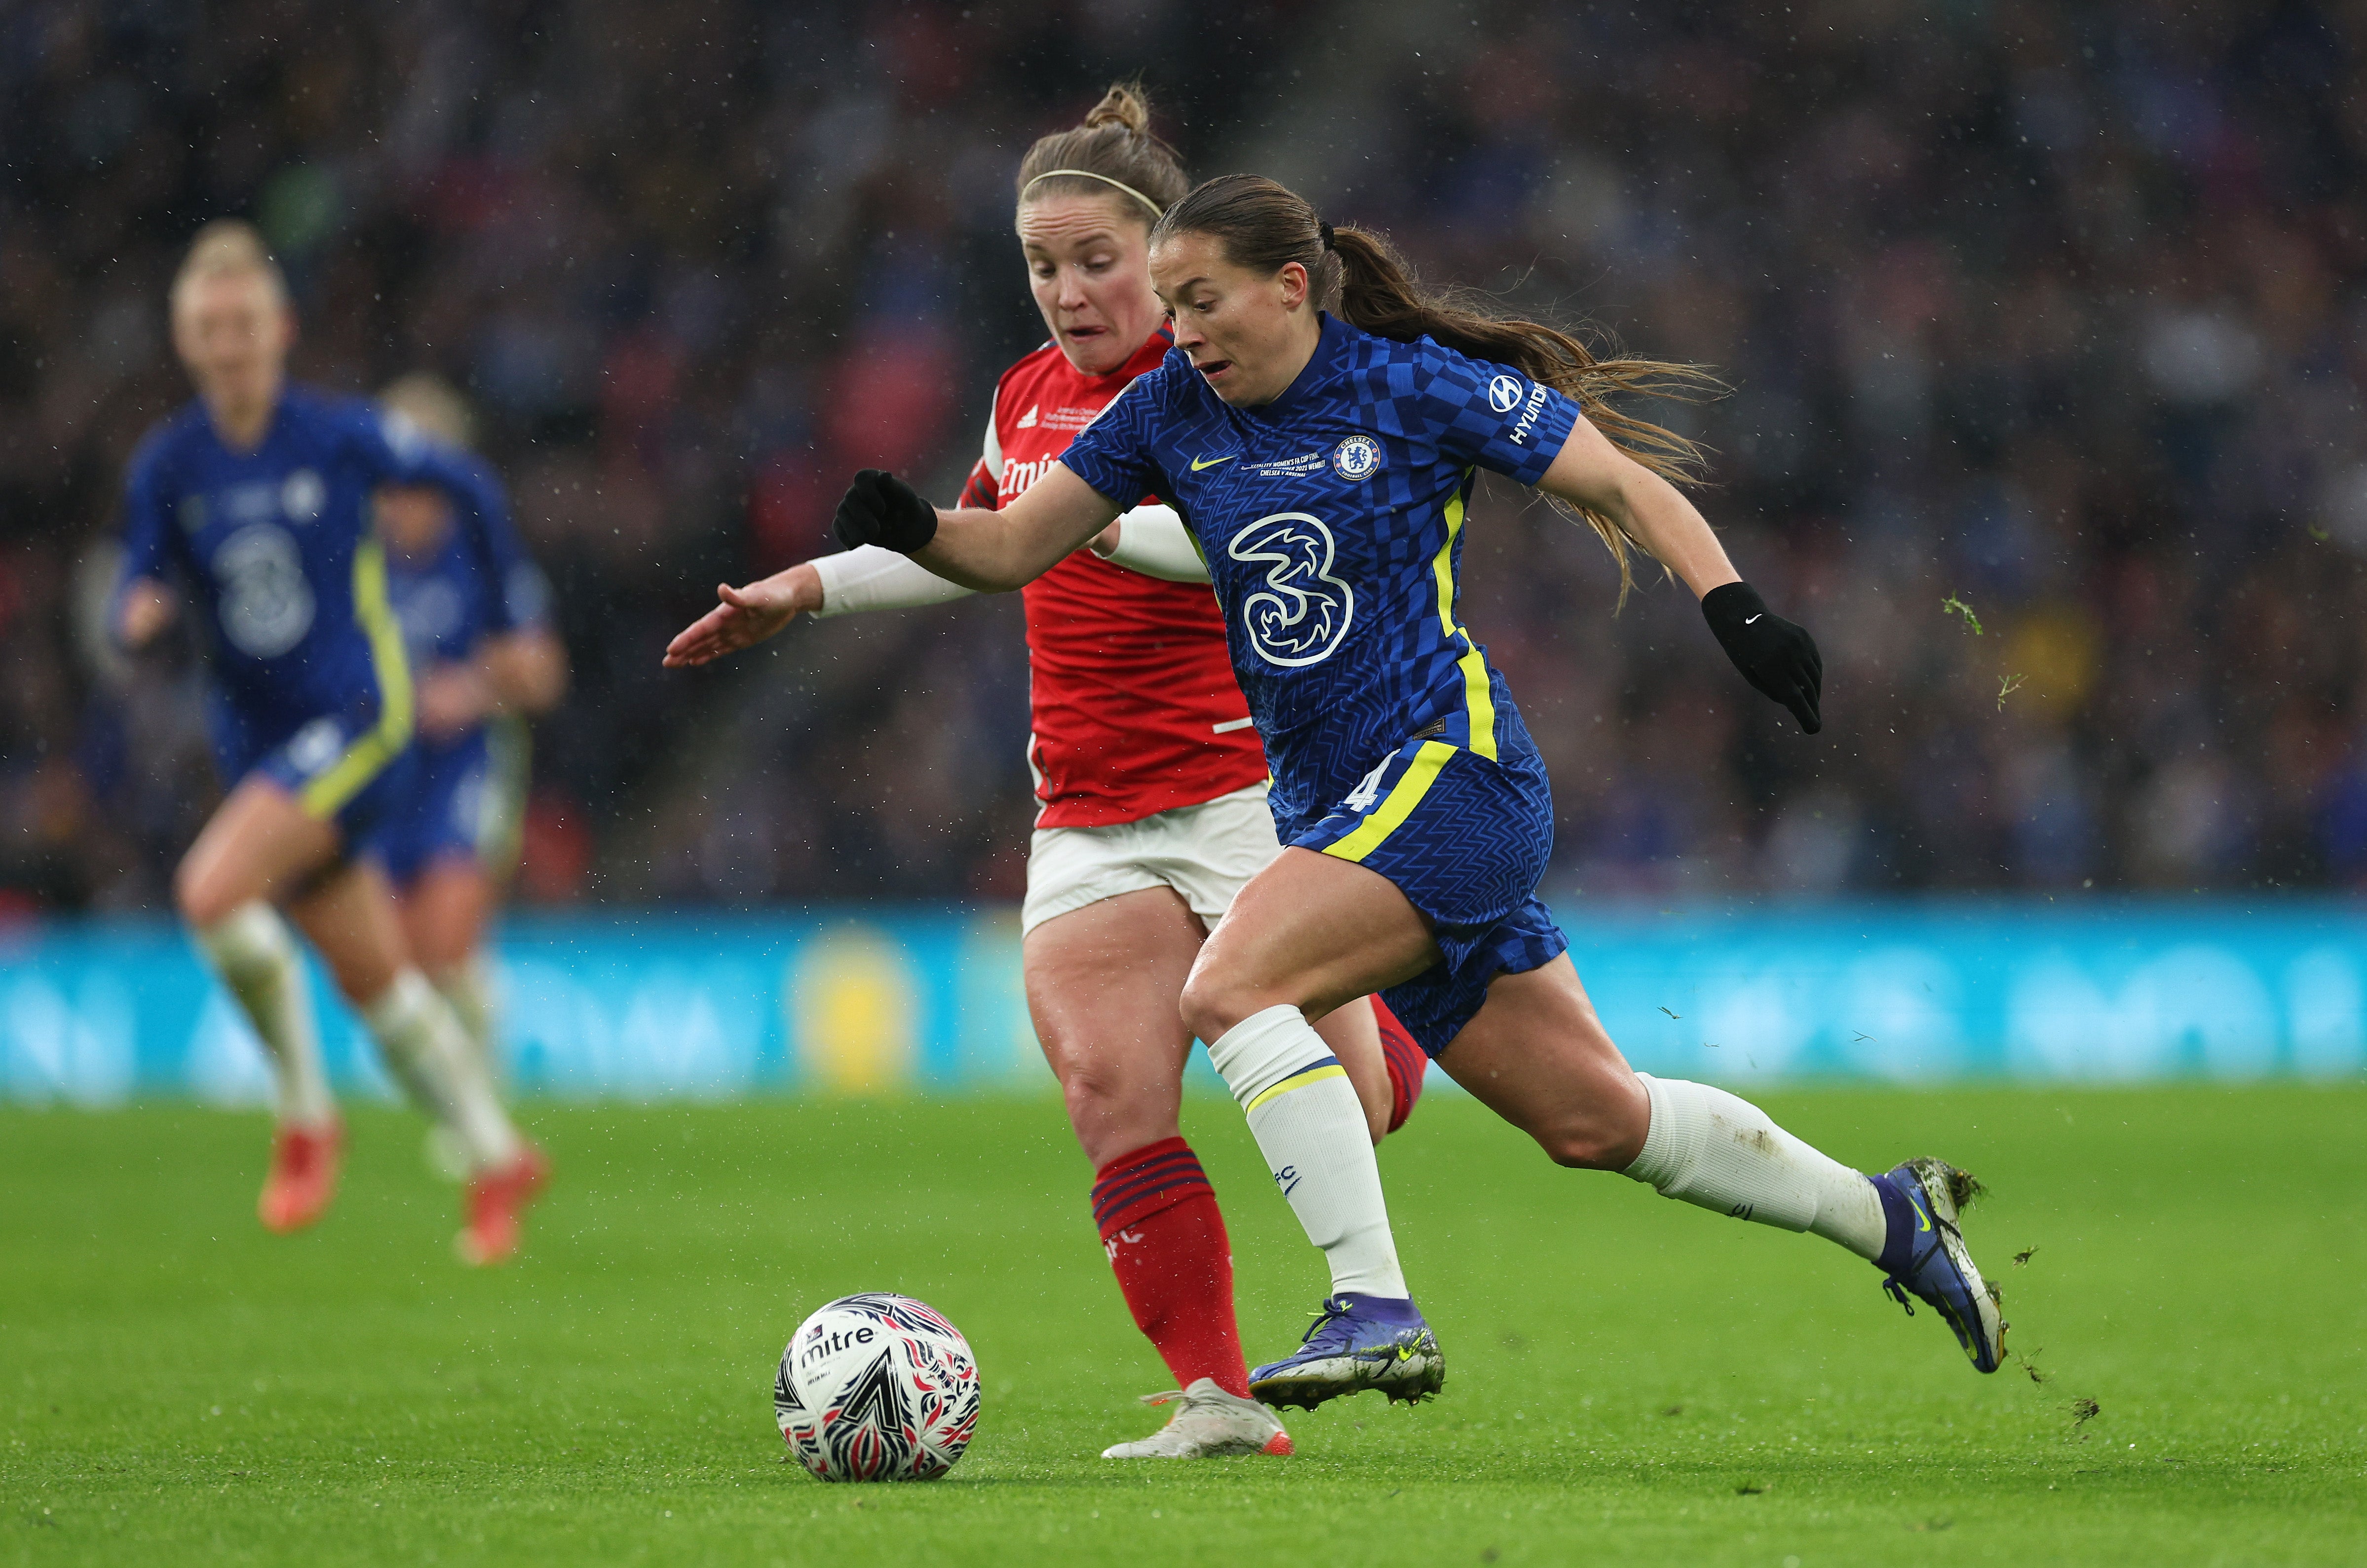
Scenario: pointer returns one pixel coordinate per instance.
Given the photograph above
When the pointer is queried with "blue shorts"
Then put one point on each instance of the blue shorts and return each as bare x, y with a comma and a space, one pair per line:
352, 769
466, 799
1465, 838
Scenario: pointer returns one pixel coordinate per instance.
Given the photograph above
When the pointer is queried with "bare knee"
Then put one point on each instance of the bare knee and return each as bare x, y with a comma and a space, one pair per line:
1113, 1114
361, 978
1583, 1147
1091, 1097
1215, 1000
203, 894
1605, 1134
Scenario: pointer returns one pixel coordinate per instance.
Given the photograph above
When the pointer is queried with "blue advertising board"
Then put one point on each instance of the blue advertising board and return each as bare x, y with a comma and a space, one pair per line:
653, 1004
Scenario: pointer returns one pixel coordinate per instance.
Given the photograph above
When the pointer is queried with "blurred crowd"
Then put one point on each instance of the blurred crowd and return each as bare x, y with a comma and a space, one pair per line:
2045, 323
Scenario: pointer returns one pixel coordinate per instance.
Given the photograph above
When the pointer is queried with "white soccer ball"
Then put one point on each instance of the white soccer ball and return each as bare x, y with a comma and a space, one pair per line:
876, 1387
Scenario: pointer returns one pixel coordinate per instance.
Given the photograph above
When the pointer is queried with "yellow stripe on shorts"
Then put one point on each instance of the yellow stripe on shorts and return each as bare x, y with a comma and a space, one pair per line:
1397, 805
1476, 700
1299, 1080
327, 794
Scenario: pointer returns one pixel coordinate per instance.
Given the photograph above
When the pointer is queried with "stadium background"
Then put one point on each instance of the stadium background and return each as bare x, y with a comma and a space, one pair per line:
2054, 311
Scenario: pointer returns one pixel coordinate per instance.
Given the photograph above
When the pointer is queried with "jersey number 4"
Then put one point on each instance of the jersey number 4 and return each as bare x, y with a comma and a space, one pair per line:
1368, 789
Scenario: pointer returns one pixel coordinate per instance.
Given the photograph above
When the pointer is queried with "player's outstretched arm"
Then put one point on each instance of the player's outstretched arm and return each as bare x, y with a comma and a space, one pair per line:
992, 552
1776, 655
746, 615
1592, 472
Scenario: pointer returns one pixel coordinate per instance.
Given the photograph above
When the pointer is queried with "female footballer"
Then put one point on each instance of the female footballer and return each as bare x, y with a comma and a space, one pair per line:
254, 500
474, 612
1151, 777
1323, 462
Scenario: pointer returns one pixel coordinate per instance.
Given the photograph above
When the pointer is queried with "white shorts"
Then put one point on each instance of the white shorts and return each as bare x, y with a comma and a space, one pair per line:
1206, 852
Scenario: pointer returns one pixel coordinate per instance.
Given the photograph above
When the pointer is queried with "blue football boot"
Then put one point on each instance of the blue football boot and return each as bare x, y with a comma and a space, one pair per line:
1924, 1255
1356, 1342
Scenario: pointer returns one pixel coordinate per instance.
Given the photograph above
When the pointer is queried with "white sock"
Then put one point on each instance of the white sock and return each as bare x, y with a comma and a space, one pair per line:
1713, 1149
1310, 1126
469, 986
425, 1047
255, 955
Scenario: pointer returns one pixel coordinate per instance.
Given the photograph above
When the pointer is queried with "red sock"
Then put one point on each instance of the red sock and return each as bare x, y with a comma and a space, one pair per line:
1166, 1242
1405, 1060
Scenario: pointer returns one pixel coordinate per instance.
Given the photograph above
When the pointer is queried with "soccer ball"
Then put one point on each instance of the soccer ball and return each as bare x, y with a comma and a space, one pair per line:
876, 1387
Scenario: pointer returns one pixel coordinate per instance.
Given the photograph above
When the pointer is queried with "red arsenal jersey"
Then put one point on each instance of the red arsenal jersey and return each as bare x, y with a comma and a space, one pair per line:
1132, 699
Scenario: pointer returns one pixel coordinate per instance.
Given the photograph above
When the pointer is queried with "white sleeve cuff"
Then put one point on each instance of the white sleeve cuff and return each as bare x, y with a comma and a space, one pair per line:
869, 578
1153, 541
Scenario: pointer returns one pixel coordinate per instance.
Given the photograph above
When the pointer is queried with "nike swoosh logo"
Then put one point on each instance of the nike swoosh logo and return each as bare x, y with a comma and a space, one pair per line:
1405, 1352
1922, 1220
1200, 463
1746, 620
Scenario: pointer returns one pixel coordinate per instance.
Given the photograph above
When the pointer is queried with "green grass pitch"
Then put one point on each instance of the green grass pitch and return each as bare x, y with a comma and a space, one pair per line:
1630, 1380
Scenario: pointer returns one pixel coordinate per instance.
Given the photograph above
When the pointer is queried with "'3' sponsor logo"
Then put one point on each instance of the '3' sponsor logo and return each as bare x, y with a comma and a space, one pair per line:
1299, 614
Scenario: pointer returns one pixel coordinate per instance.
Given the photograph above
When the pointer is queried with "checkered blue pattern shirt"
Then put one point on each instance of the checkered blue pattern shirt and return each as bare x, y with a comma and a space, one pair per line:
1332, 519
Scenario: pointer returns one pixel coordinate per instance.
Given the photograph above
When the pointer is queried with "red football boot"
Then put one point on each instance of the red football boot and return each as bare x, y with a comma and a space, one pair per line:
497, 1198
304, 1162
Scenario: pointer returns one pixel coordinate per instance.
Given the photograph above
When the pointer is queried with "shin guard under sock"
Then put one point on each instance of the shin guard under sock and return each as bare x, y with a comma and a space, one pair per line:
1720, 1151
256, 956
1310, 1126
428, 1053
1166, 1241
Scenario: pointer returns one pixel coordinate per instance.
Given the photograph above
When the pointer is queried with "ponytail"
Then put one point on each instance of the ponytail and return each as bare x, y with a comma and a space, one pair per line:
1360, 277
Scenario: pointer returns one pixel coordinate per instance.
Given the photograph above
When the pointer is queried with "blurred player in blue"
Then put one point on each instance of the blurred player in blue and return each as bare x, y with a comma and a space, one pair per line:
254, 503
1323, 459
474, 613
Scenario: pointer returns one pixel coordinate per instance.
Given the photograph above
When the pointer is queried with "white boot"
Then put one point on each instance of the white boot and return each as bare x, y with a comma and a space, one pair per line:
1212, 1423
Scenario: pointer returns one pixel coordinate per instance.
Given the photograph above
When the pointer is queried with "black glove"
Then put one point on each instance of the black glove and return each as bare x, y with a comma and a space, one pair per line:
1773, 654
880, 509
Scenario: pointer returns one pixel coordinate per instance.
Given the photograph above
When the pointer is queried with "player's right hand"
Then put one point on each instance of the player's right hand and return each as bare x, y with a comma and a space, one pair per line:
746, 616
880, 509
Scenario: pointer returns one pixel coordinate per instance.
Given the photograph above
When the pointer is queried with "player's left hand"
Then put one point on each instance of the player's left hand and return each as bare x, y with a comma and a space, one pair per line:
1777, 657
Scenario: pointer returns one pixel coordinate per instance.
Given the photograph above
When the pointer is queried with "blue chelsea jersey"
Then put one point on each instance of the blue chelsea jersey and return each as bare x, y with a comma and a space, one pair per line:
276, 548
479, 583
1332, 519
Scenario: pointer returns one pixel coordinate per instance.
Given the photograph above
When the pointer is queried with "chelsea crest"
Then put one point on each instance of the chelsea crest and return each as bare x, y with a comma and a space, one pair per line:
1356, 459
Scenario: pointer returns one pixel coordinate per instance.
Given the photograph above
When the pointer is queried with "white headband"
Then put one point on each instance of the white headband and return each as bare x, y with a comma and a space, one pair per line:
1089, 175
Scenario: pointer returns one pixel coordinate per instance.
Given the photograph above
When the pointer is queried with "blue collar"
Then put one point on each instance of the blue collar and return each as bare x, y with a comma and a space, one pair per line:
1330, 349
288, 393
